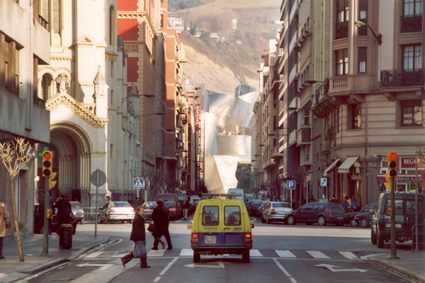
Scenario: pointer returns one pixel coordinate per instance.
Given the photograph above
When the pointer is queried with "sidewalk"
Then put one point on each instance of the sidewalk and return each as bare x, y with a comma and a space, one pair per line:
410, 264
11, 269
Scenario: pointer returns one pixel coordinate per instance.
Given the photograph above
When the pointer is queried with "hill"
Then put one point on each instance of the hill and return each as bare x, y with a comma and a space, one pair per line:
224, 39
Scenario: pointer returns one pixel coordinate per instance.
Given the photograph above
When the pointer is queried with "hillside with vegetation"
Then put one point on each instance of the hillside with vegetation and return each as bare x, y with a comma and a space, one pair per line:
224, 39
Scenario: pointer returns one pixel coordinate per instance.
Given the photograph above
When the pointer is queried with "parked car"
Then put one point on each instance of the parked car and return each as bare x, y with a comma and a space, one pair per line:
119, 211
194, 200
361, 218
78, 211
174, 212
322, 213
405, 209
254, 206
149, 206
275, 211
170, 197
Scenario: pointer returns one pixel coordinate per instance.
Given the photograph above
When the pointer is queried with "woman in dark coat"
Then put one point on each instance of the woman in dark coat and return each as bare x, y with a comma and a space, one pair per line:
138, 234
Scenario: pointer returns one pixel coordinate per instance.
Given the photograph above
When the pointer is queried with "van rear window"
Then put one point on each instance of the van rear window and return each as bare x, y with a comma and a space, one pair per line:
210, 215
232, 215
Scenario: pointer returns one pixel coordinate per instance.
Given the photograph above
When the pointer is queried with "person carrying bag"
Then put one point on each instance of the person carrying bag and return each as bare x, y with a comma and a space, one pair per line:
138, 236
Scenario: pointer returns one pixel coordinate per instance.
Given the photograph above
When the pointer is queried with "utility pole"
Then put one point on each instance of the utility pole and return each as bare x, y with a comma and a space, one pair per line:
392, 168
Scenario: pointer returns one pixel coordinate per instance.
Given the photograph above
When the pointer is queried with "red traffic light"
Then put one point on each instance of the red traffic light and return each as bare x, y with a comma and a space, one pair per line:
392, 156
47, 155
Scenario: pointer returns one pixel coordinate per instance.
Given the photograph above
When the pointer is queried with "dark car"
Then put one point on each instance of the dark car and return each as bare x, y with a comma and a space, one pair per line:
254, 207
149, 206
78, 211
405, 210
364, 217
369, 208
322, 213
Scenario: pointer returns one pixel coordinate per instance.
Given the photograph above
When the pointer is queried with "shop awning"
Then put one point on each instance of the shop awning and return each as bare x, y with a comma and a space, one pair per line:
346, 165
331, 167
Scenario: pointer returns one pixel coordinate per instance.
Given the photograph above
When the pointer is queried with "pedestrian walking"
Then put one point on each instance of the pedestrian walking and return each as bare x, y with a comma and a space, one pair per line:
156, 235
186, 206
64, 212
4, 225
160, 218
138, 236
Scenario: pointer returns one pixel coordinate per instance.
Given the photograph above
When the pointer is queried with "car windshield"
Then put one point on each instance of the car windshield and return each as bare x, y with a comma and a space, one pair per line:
121, 204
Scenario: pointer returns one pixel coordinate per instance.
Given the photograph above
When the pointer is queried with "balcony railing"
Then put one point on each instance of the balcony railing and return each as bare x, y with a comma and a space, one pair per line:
341, 30
394, 78
410, 24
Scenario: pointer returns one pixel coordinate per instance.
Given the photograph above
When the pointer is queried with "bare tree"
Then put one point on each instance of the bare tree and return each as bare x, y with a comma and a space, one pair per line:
14, 154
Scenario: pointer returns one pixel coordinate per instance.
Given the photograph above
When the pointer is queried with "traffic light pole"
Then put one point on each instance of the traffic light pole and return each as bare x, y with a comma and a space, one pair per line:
46, 221
393, 249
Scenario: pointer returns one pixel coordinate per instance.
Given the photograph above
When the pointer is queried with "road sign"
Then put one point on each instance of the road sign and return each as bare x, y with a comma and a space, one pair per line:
139, 183
323, 182
291, 185
98, 178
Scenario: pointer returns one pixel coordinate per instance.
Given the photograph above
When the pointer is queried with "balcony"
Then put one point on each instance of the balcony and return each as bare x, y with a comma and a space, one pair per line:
396, 78
340, 85
304, 136
341, 30
410, 24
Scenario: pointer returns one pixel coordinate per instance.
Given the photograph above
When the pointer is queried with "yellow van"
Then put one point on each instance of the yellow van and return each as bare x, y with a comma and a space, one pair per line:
221, 225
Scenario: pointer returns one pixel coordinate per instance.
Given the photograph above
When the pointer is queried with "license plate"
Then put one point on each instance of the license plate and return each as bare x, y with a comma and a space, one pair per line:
210, 240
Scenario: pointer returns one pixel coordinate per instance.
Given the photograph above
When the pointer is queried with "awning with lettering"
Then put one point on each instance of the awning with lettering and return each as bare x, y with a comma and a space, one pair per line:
346, 165
331, 167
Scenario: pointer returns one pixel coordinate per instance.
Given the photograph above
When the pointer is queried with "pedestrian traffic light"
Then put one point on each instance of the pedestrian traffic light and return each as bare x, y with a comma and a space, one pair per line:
47, 163
392, 164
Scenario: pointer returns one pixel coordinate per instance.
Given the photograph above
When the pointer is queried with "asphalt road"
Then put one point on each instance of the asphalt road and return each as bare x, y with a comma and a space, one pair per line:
281, 253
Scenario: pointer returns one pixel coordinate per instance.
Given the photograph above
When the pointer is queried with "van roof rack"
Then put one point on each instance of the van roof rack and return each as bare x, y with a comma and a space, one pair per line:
219, 195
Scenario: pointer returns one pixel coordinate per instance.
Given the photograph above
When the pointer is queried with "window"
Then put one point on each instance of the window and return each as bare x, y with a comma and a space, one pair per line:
362, 16
412, 8
232, 215
341, 62
362, 54
210, 216
411, 113
56, 14
412, 57
354, 115
9, 64
343, 10
112, 27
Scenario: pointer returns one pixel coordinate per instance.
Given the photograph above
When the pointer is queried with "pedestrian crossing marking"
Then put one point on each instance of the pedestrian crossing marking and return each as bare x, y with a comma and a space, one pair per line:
156, 253
186, 252
317, 254
284, 253
95, 254
255, 252
349, 255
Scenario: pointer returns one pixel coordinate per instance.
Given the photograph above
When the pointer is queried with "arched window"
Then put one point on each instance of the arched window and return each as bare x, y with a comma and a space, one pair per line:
112, 26
46, 86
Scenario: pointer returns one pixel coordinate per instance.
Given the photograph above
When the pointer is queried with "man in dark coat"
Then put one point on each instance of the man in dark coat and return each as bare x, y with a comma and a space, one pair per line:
138, 234
160, 217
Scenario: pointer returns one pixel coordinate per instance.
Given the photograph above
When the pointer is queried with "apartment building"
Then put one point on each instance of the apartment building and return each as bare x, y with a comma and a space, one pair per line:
354, 71
24, 46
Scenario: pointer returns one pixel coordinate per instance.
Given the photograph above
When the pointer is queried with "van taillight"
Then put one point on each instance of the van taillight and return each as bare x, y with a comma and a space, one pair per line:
195, 238
248, 238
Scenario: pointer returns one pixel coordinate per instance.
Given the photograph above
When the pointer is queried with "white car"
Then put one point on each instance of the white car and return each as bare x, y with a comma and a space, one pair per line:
275, 211
118, 211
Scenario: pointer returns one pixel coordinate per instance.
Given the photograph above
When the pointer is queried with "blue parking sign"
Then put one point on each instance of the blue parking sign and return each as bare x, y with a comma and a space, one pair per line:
291, 185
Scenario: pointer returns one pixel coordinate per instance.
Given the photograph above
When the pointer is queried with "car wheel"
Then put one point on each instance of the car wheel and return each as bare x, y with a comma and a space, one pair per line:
353, 223
380, 241
373, 237
321, 220
290, 220
196, 256
245, 256
364, 223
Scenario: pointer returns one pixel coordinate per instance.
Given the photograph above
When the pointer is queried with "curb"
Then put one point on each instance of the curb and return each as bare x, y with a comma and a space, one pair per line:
398, 270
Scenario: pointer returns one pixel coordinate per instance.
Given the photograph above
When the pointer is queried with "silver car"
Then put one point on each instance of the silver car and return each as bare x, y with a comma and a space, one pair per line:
275, 211
119, 211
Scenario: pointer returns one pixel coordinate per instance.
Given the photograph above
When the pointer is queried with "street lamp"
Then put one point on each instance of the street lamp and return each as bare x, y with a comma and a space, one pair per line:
378, 36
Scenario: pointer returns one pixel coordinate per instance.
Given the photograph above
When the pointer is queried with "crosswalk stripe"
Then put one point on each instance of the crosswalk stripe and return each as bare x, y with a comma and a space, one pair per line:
186, 252
156, 253
317, 254
95, 254
255, 252
348, 255
284, 253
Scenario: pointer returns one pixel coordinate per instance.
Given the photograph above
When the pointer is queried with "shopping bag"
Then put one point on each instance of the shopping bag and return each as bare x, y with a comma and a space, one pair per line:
139, 249
151, 228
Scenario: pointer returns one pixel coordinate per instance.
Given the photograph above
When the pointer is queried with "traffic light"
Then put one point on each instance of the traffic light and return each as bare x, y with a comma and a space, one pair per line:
47, 164
387, 182
52, 180
392, 164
